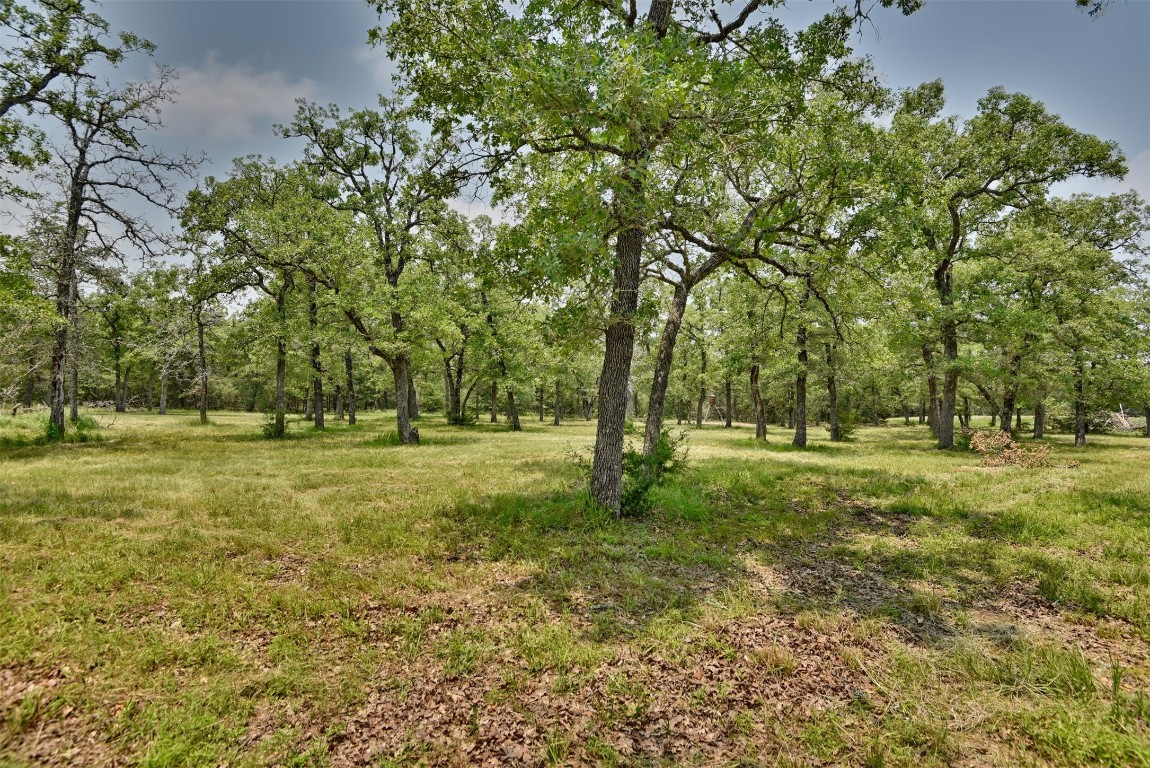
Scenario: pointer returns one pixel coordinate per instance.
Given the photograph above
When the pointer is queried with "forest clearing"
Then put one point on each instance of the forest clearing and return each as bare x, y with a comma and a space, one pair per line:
186, 594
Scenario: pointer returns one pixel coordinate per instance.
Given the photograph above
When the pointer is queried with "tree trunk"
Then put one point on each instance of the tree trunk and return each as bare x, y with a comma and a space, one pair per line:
1039, 420
874, 404
729, 402
118, 373
349, 374
800, 439
513, 411
202, 359
280, 427
932, 389
558, 401
316, 362
74, 370
163, 391
399, 374
1145, 416
1079, 405
339, 414
307, 403
1018, 419
151, 386
944, 281
607, 466
760, 408
832, 393
702, 389
412, 395
539, 402
1007, 408
494, 402
664, 357
921, 411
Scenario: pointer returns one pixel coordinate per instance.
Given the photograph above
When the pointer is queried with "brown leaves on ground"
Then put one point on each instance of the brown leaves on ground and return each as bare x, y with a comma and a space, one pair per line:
39, 725
638, 706
999, 449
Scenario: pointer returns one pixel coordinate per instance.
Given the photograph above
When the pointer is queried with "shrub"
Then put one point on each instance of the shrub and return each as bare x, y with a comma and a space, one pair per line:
641, 473
848, 423
270, 429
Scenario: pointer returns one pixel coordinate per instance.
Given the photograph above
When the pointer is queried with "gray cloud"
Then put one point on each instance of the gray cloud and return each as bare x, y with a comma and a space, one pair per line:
228, 102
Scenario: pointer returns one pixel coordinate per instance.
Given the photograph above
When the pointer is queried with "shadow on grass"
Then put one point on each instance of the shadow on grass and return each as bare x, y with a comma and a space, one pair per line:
820, 447
708, 538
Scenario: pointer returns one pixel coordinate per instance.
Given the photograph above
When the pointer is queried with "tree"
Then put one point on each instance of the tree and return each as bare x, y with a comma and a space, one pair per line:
965, 176
105, 168
396, 184
48, 41
266, 219
583, 102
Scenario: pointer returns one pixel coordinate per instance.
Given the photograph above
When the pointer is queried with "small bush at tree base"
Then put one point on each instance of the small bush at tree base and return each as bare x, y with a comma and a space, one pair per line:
271, 430
641, 472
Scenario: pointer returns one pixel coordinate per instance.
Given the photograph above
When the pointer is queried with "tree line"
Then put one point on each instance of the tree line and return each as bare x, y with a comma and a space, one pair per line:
702, 215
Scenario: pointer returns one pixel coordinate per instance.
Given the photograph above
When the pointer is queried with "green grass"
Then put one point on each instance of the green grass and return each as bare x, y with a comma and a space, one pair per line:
181, 594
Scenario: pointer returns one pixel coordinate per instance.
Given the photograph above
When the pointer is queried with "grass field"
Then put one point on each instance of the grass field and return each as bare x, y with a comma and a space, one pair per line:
177, 594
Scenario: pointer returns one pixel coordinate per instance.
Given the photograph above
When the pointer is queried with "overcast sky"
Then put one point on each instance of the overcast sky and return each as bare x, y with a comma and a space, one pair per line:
242, 64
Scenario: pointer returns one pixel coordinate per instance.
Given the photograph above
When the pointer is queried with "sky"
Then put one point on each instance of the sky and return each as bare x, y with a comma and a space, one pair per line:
243, 63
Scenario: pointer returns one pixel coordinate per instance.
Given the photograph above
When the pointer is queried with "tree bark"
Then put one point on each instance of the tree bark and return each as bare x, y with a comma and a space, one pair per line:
339, 414
118, 372
74, 368
163, 392
349, 374
607, 466
400, 376
1007, 409
513, 411
759, 407
664, 358
280, 427
832, 393
316, 362
1145, 416
151, 386
729, 403
1039, 420
800, 439
558, 403
203, 363
539, 402
702, 388
494, 402
412, 395
1079, 404
66, 303
1018, 419
932, 390
944, 280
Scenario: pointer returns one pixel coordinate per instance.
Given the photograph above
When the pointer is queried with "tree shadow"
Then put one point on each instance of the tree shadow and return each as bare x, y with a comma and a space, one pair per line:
723, 530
